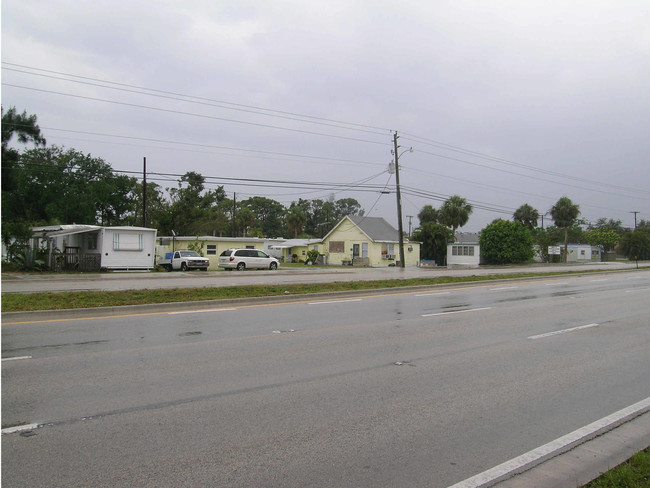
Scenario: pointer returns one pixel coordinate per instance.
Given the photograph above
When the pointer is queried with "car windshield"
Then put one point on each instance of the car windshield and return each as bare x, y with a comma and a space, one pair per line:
189, 254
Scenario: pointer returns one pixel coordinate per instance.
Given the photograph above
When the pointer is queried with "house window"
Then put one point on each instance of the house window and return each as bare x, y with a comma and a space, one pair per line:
212, 250
337, 246
462, 250
387, 251
91, 243
128, 242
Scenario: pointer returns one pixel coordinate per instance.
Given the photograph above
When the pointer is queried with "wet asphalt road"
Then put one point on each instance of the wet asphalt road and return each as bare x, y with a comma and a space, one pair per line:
396, 389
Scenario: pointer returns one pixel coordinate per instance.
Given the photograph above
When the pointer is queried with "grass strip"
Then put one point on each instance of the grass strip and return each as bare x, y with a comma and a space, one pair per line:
26, 302
634, 473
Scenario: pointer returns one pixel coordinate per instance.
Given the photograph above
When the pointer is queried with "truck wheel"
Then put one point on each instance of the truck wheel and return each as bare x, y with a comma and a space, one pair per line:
241, 266
183, 266
274, 266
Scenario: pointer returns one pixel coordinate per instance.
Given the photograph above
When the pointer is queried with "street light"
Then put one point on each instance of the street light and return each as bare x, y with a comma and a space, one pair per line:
400, 227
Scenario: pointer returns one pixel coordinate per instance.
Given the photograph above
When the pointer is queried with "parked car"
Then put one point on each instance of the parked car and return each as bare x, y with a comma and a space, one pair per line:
241, 259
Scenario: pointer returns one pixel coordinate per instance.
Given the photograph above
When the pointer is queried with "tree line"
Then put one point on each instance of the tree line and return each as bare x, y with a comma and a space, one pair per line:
51, 185
513, 241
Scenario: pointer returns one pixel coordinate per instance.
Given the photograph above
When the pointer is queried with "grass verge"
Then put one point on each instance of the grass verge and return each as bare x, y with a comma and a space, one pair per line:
25, 302
634, 473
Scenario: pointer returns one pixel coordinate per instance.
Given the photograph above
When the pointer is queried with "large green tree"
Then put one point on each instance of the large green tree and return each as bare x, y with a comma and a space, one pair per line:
26, 130
269, 215
636, 244
434, 238
565, 214
55, 185
455, 212
191, 211
607, 238
526, 215
428, 214
506, 242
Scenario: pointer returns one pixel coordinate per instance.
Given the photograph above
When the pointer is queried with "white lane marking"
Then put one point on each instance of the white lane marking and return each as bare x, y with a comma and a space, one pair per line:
456, 311
503, 288
19, 428
564, 331
637, 290
17, 358
433, 294
554, 448
335, 301
203, 311
599, 280
557, 284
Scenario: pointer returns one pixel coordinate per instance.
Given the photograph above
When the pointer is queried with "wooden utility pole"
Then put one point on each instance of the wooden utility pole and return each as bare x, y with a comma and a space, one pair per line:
400, 227
144, 192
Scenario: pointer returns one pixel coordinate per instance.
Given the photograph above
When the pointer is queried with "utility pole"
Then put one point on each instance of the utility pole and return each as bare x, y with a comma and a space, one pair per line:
144, 192
234, 214
410, 222
400, 227
635, 212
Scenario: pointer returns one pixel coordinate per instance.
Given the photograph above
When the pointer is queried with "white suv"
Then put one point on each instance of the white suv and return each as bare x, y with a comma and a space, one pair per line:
241, 259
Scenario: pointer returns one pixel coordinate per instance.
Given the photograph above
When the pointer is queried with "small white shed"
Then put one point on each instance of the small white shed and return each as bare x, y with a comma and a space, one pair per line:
465, 251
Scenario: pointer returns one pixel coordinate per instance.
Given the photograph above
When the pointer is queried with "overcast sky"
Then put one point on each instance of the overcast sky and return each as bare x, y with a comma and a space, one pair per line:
503, 102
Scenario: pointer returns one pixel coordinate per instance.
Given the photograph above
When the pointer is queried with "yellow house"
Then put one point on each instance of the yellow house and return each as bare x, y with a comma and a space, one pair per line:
367, 241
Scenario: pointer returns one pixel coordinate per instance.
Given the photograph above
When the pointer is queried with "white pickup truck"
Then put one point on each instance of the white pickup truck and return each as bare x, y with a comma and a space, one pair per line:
184, 260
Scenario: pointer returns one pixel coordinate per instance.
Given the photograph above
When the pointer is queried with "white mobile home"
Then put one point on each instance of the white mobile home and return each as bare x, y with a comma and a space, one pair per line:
92, 247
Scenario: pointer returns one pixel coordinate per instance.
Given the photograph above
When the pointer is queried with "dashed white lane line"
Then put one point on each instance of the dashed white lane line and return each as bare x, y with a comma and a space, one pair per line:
557, 284
432, 294
325, 302
16, 358
19, 428
563, 331
554, 448
501, 288
456, 311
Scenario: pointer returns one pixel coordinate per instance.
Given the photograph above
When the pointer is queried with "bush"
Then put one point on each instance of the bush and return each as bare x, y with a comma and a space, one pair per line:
506, 242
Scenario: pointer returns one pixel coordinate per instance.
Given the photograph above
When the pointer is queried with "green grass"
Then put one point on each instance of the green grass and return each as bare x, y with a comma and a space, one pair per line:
634, 473
23, 302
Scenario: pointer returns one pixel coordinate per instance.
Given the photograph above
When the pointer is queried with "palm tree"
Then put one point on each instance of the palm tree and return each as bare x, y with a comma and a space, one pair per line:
565, 213
527, 215
296, 219
455, 212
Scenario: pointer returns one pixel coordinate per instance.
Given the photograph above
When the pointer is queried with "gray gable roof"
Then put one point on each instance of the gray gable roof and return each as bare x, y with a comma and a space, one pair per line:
376, 228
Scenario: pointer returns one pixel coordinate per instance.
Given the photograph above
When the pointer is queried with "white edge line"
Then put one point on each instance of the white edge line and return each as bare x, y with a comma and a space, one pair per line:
433, 294
554, 448
503, 288
17, 358
456, 311
203, 311
335, 301
19, 428
563, 331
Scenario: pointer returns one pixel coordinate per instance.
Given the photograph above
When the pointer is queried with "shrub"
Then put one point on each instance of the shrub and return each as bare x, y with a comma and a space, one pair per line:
506, 242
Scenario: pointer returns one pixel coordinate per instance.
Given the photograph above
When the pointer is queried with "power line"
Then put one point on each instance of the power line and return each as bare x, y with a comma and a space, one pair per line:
225, 104
180, 112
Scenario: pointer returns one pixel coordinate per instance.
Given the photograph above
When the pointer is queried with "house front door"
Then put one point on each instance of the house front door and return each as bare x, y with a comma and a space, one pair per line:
355, 251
